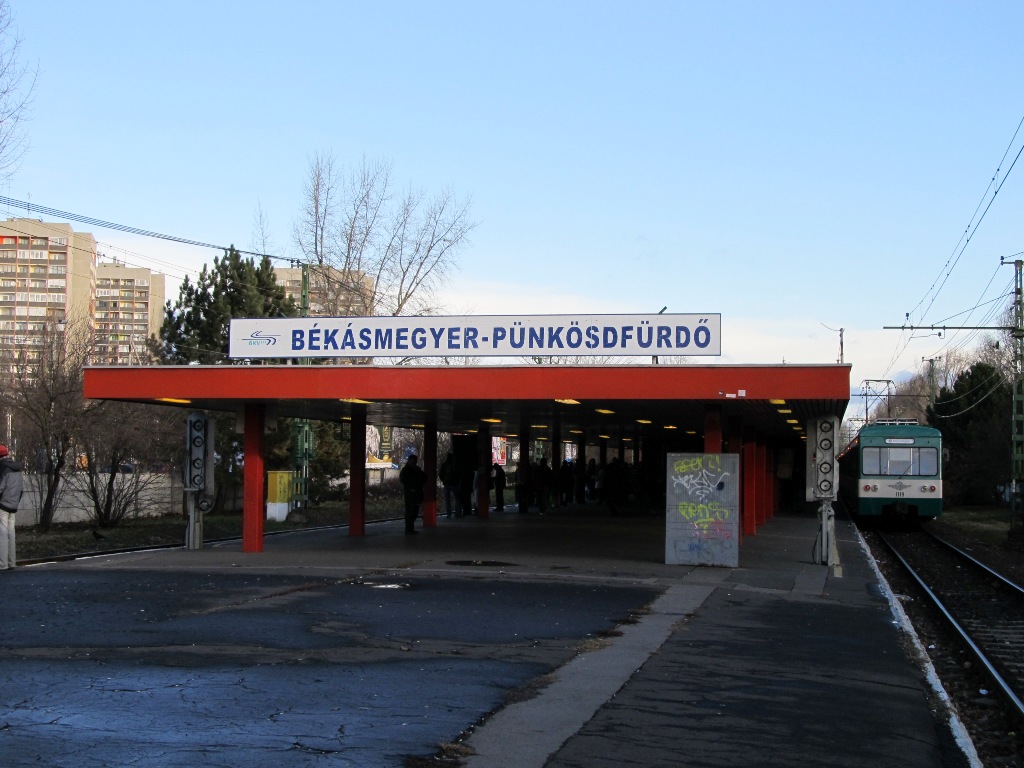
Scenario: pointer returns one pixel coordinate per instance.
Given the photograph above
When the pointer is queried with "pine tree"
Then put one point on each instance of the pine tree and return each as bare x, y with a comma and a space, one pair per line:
196, 330
196, 326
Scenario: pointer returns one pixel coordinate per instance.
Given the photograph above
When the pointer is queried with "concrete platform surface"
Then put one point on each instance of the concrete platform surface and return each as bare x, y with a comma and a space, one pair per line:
522, 640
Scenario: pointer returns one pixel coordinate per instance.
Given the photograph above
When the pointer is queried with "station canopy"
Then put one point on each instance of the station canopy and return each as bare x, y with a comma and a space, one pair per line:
575, 401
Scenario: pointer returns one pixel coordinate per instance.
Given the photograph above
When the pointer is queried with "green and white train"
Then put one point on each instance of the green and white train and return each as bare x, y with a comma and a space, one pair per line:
893, 468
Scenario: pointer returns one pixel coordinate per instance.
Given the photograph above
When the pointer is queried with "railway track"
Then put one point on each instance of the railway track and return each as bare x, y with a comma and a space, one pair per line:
984, 610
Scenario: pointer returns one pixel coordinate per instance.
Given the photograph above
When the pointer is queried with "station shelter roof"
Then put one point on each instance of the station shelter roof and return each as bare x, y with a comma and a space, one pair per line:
595, 401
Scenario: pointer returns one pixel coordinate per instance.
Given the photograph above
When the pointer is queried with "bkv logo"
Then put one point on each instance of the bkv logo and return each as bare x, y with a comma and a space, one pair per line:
259, 339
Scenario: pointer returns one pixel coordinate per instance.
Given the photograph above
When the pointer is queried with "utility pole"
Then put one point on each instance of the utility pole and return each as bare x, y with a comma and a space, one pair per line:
931, 377
302, 435
888, 400
1017, 435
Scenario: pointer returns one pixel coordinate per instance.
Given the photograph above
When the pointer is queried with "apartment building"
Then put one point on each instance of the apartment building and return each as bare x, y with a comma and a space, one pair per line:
47, 275
332, 292
129, 309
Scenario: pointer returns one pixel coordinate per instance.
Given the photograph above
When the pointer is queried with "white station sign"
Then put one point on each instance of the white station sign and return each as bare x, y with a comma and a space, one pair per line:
478, 336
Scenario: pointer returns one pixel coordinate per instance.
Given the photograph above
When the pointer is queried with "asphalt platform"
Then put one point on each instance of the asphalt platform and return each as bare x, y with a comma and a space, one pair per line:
520, 640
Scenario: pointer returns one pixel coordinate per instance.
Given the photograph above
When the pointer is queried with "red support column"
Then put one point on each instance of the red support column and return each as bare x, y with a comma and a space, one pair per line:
430, 467
483, 464
762, 497
770, 485
357, 473
253, 496
735, 445
712, 430
749, 473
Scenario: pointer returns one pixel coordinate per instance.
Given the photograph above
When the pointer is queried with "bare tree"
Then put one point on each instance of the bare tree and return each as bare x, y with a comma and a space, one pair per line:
125, 451
17, 83
375, 251
262, 242
44, 396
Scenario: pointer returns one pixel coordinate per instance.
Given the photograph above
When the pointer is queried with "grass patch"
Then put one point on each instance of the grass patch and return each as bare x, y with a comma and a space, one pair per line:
986, 523
67, 539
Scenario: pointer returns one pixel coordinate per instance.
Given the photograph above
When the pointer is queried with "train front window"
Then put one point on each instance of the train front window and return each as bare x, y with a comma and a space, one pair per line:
900, 462
871, 461
929, 461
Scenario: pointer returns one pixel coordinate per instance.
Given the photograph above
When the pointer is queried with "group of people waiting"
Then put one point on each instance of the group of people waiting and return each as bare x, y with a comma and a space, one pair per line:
536, 485
539, 485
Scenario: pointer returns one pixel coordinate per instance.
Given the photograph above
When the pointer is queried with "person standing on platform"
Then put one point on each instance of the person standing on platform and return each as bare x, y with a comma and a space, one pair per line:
542, 484
447, 477
499, 488
10, 497
412, 479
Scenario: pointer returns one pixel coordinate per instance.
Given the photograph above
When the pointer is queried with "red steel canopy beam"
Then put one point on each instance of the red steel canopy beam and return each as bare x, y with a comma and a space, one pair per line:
290, 382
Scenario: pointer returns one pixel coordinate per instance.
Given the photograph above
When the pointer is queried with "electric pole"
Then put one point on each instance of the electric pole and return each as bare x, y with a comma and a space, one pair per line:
931, 378
1017, 435
302, 435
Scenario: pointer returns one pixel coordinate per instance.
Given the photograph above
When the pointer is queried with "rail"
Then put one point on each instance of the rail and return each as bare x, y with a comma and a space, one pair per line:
991, 670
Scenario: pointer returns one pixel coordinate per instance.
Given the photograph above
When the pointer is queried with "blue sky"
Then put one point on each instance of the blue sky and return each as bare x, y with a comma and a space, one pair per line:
797, 167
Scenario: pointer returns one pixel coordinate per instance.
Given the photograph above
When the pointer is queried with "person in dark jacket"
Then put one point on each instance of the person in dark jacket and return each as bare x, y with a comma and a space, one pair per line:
499, 488
10, 496
412, 479
447, 476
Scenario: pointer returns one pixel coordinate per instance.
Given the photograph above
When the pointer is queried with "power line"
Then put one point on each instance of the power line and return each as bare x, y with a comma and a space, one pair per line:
33, 208
963, 243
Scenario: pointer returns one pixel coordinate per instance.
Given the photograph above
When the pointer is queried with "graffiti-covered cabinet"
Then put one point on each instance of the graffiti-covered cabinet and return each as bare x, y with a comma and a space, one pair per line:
702, 509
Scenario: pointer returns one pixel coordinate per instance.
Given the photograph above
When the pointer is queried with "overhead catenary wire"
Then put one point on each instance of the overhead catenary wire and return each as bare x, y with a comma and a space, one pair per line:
972, 225
981, 210
973, 405
185, 272
951, 342
33, 208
